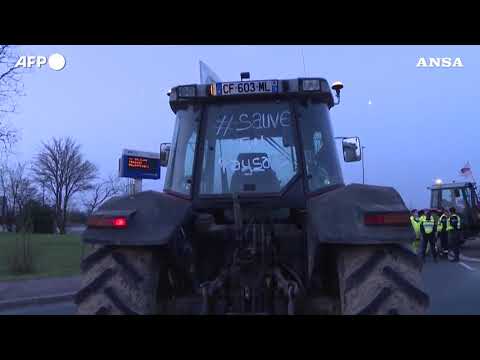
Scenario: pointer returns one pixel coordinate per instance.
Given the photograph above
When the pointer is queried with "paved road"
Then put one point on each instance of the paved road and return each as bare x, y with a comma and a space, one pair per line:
76, 229
64, 308
38, 287
453, 288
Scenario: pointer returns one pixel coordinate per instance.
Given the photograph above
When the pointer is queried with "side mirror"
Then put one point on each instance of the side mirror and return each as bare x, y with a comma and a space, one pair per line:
164, 154
351, 149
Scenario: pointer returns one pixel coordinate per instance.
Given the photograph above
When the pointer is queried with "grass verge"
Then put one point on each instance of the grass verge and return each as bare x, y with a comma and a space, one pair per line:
53, 255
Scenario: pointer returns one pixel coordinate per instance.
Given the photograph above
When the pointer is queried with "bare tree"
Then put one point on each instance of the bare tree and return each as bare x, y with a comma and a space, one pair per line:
60, 167
26, 192
14, 177
20, 188
4, 189
16, 187
10, 88
102, 191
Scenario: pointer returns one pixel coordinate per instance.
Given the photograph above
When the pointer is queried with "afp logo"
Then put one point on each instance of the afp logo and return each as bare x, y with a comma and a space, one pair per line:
435, 62
55, 61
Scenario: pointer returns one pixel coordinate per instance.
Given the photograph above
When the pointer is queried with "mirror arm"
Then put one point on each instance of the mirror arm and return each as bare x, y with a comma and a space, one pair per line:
338, 100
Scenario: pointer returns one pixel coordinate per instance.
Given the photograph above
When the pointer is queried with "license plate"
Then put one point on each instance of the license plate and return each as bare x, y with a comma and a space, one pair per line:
246, 87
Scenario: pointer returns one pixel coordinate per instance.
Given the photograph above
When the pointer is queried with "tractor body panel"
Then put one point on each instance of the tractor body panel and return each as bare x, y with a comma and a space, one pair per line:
153, 218
337, 217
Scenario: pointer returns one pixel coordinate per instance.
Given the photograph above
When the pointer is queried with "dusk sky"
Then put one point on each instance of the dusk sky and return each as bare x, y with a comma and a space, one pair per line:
421, 123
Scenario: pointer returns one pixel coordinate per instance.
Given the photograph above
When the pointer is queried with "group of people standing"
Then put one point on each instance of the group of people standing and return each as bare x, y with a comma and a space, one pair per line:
433, 227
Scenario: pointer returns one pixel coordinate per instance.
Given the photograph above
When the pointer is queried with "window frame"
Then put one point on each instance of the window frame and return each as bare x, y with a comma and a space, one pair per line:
191, 109
306, 183
254, 195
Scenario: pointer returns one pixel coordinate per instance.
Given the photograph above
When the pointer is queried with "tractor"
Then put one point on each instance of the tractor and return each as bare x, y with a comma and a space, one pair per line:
463, 197
254, 218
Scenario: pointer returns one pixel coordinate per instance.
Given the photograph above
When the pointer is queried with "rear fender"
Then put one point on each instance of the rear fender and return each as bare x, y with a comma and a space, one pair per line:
153, 218
337, 217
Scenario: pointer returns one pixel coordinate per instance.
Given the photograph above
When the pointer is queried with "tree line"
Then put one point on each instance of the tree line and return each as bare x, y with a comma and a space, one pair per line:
57, 175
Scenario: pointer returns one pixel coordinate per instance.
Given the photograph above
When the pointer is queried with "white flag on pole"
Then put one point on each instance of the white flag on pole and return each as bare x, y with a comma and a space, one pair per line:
207, 76
466, 170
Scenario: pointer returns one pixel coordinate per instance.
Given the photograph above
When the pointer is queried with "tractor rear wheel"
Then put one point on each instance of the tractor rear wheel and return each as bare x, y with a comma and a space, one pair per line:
380, 280
119, 281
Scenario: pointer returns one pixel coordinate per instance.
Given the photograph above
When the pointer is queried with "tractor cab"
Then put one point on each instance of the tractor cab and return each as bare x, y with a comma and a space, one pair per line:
270, 140
464, 198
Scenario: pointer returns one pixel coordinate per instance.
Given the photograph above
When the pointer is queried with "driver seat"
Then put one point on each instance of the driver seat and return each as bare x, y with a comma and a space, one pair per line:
265, 181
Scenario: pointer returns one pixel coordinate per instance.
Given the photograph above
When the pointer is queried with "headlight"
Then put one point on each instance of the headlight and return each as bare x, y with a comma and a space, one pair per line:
311, 84
187, 91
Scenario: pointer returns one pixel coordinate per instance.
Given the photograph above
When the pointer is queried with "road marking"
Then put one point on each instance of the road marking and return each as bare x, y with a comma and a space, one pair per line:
466, 258
466, 266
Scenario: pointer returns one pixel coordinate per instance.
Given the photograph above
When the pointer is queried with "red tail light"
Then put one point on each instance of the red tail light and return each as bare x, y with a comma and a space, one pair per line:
119, 222
398, 219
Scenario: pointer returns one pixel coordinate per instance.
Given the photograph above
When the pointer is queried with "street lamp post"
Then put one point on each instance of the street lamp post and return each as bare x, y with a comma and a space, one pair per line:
363, 166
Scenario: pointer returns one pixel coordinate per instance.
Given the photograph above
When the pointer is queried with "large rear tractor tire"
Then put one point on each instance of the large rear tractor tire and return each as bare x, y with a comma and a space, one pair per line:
119, 281
380, 280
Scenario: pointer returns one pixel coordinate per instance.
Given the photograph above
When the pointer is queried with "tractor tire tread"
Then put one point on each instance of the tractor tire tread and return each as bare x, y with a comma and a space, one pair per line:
93, 286
361, 273
413, 291
94, 258
380, 279
120, 281
129, 270
115, 299
375, 304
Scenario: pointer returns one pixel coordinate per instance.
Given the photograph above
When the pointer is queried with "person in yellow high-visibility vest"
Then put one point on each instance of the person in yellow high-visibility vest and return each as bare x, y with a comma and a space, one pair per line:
442, 233
415, 221
421, 217
436, 216
427, 229
454, 234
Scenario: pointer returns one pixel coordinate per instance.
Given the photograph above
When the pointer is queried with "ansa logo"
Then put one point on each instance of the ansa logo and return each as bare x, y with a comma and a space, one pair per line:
439, 62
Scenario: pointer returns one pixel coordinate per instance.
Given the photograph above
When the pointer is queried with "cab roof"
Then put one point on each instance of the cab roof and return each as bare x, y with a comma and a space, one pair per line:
288, 88
453, 185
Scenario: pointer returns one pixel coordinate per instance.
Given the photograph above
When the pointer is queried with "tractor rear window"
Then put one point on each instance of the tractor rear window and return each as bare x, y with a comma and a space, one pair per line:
453, 198
249, 147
